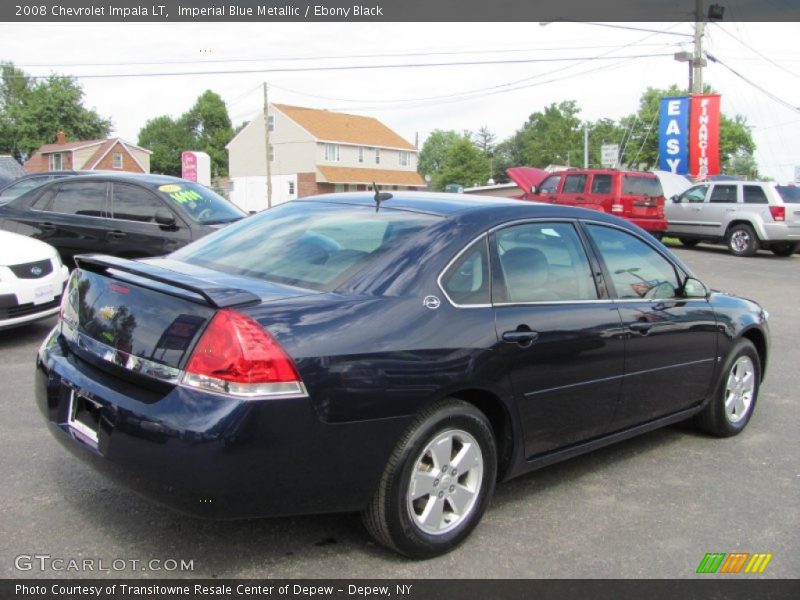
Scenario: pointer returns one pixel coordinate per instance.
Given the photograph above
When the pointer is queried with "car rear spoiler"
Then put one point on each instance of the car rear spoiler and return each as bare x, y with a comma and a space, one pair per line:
200, 291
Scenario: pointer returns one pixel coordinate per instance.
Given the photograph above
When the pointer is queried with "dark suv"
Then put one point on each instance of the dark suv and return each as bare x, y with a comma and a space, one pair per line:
131, 216
632, 195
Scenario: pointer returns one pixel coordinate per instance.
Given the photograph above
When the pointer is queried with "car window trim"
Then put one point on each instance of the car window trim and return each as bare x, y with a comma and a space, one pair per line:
455, 259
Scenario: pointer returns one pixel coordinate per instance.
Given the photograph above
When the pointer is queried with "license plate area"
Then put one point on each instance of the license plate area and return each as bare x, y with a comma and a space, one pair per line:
83, 417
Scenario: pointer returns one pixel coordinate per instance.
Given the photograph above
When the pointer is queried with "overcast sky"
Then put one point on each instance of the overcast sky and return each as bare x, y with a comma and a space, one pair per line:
418, 100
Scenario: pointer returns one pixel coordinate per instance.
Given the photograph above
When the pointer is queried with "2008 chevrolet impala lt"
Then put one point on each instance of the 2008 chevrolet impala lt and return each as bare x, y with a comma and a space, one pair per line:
394, 354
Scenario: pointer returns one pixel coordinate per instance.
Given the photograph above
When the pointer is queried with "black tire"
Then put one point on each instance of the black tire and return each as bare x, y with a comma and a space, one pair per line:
742, 240
784, 248
689, 242
714, 418
392, 519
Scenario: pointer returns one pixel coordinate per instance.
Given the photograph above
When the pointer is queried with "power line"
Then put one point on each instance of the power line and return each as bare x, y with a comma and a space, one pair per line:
294, 58
337, 68
749, 47
753, 84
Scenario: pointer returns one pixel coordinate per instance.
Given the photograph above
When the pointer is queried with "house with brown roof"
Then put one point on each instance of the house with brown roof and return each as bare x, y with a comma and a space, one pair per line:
112, 154
315, 151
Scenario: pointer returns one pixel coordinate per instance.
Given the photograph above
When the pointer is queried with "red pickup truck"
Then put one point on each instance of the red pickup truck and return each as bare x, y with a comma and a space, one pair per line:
632, 195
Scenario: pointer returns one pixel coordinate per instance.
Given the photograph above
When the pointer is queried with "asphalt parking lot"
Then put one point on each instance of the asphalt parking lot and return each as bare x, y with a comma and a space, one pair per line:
649, 507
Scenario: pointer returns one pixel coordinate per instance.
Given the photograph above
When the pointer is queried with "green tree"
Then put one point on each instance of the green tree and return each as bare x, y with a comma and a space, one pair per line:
166, 138
205, 127
553, 136
434, 151
32, 112
463, 164
211, 129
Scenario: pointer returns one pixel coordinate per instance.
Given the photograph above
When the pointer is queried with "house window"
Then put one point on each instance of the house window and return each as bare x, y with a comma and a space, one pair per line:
117, 160
291, 188
56, 161
271, 153
377, 156
404, 158
271, 122
338, 187
332, 152
361, 155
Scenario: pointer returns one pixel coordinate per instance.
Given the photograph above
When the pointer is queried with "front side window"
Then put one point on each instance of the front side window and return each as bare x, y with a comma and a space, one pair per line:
86, 199
307, 244
332, 152
132, 203
574, 184
723, 194
200, 203
550, 185
543, 262
467, 281
636, 269
694, 194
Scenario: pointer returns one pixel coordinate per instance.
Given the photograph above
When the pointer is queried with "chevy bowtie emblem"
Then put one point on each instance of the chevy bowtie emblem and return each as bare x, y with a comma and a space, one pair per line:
431, 302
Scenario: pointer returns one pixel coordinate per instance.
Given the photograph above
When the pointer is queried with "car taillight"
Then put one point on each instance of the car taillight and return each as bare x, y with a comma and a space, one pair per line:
778, 213
236, 356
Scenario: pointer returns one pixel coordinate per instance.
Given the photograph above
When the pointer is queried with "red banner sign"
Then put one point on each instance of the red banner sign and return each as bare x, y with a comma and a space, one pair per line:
704, 136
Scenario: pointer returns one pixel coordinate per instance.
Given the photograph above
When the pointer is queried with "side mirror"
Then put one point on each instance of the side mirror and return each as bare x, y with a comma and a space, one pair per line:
164, 217
534, 189
676, 199
694, 288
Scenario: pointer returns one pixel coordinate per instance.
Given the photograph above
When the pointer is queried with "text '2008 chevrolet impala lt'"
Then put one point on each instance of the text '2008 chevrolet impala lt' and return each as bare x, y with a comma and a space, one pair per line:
390, 354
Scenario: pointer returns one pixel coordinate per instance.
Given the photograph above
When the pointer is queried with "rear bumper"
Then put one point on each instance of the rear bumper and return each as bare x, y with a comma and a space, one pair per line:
779, 232
210, 455
657, 225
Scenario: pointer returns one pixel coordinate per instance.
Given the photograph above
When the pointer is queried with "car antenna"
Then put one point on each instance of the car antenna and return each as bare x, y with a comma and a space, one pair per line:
380, 196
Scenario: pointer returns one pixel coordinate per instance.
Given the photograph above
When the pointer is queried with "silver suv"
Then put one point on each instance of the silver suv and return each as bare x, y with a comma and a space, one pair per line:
745, 215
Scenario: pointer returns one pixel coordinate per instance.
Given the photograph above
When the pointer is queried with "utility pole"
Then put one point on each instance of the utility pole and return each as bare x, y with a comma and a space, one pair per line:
267, 153
585, 146
698, 62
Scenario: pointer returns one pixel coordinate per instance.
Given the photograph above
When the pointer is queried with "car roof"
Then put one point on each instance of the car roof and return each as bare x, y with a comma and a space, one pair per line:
442, 204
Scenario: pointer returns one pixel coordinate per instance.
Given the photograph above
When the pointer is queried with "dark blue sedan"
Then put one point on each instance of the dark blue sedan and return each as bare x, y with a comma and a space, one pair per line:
395, 355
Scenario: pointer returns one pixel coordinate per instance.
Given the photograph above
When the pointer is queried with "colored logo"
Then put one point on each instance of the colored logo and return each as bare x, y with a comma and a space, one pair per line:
734, 563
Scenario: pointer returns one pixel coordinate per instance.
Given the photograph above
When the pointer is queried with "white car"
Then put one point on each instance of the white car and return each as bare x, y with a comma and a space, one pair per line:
32, 279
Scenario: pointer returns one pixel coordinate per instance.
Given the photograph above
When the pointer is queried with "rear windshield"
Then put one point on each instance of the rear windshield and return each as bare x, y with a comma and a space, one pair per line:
638, 185
789, 193
203, 205
305, 244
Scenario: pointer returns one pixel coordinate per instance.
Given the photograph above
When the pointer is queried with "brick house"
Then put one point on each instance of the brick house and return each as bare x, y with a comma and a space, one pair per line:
112, 154
316, 152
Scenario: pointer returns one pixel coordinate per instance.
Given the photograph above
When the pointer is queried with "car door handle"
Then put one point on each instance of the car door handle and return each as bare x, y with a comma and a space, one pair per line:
524, 338
581, 198
697, 208
640, 327
730, 210
116, 235
47, 226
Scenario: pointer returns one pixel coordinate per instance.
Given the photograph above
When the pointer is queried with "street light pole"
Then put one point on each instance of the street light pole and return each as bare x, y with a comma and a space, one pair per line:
699, 61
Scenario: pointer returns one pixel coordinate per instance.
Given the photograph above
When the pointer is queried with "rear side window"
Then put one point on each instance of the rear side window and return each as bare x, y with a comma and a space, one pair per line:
467, 281
574, 184
543, 262
132, 203
639, 185
306, 244
87, 199
601, 184
754, 194
725, 194
789, 193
